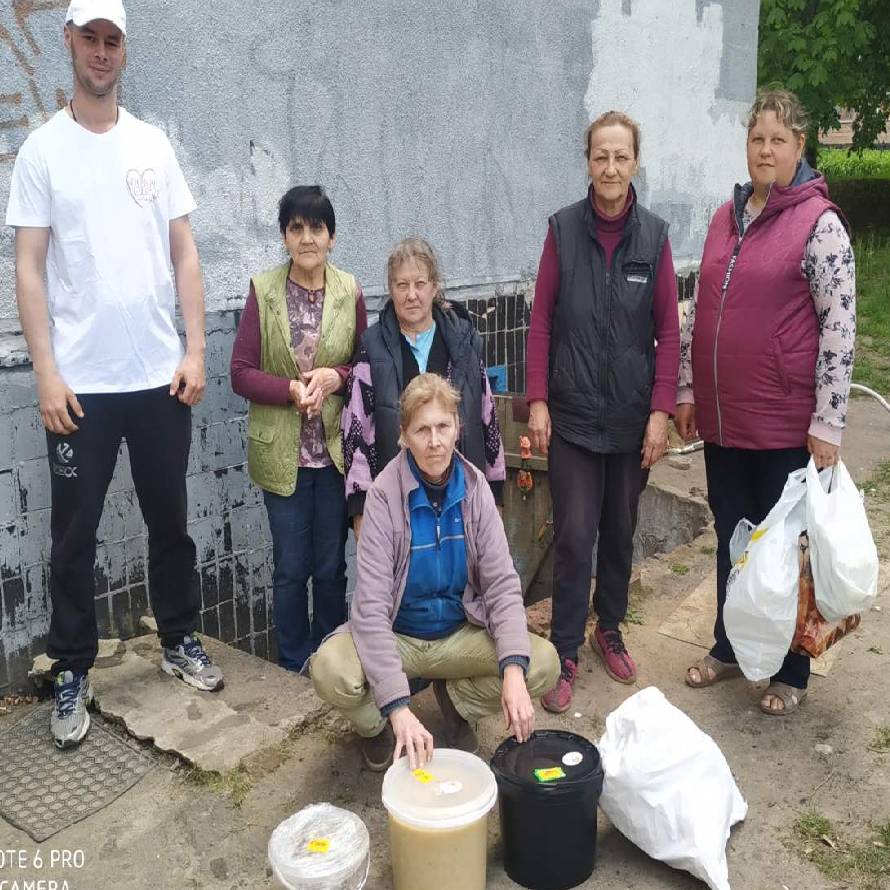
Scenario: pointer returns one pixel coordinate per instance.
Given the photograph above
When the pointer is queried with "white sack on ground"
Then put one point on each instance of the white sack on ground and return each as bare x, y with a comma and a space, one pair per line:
668, 787
843, 555
762, 592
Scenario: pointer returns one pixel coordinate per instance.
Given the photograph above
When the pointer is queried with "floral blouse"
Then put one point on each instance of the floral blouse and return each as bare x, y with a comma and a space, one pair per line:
830, 267
304, 310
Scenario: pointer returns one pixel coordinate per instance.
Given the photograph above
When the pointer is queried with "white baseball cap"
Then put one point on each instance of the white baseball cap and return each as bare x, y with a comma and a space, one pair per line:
82, 12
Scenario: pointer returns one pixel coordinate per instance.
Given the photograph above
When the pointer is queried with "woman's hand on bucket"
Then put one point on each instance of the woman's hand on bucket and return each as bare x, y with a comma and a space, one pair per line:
516, 703
412, 738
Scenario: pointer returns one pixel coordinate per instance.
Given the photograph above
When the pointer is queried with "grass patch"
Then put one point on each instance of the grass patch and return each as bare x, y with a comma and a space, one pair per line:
872, 363
878, 486
707, 551
881, 741
863, 863
234, 784
634, 616
838, 163
679, 568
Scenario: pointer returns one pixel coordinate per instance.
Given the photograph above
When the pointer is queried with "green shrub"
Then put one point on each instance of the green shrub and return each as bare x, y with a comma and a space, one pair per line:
838, 163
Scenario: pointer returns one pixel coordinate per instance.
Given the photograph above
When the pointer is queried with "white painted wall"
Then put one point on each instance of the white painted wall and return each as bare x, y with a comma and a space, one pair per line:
665, 64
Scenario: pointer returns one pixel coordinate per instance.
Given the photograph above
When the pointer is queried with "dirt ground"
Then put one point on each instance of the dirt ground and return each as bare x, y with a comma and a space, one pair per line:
171, 831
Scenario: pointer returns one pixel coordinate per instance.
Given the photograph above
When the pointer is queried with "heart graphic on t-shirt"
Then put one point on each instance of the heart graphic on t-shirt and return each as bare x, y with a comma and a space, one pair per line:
143, 187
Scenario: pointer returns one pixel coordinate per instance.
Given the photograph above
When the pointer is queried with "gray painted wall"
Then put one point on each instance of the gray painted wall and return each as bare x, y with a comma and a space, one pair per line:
458, 120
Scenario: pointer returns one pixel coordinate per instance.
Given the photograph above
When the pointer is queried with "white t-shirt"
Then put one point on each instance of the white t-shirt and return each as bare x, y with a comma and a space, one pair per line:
108, 200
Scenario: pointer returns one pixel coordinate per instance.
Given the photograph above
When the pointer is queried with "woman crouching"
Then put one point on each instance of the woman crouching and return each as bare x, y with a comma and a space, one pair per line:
436, 596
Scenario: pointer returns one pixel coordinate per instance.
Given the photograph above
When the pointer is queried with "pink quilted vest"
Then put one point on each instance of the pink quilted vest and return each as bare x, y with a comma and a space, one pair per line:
756, 334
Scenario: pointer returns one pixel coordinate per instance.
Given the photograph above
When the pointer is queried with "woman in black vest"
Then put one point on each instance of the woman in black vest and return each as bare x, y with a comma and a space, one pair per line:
418, 331
603, 354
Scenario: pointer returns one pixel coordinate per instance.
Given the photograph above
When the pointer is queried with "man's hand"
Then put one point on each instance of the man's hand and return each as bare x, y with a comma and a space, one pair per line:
56, 398
516, 703
655, 441
539, 426
357, 526
824, 453
411, 737
188, 381
684, 421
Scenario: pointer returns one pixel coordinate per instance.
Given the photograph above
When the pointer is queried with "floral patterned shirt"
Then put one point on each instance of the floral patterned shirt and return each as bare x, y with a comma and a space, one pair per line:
830, 268
304, 310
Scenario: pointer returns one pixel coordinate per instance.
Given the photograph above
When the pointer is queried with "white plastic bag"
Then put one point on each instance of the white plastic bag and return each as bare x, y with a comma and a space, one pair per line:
668, 788
842, 551
321, 847
760, 613
740, 539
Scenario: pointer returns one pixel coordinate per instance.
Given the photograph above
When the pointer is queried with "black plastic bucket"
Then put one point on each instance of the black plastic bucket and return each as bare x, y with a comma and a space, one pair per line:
548, 790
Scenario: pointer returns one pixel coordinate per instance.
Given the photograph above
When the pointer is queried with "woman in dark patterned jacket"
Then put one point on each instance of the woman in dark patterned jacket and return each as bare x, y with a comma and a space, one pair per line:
418, 331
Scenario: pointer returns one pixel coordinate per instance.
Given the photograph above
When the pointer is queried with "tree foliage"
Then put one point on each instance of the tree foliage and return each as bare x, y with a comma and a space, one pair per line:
833, 54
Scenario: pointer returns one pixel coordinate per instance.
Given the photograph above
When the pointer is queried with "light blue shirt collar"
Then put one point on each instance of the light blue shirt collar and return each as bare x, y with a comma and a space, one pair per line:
421, 347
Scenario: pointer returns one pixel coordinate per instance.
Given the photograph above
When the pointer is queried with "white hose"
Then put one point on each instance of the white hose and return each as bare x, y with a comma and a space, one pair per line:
872, 393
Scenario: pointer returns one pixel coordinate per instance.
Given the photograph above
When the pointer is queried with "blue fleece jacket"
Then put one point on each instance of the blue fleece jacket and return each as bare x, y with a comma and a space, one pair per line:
432, 606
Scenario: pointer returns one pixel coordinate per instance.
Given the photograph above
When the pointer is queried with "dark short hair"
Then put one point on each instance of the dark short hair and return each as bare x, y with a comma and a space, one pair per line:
308, 202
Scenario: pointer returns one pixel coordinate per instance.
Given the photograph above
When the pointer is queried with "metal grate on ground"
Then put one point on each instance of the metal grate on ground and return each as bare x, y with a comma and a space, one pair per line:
44, 790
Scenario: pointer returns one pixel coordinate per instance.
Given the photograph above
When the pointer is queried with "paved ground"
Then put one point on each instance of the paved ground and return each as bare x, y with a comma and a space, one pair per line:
178, 830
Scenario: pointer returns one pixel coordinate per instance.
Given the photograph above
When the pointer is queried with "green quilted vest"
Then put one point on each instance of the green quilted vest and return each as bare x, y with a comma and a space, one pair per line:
273, 431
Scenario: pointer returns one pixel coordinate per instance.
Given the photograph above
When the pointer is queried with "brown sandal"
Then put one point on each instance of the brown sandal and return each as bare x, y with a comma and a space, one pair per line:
710, 671
790, 696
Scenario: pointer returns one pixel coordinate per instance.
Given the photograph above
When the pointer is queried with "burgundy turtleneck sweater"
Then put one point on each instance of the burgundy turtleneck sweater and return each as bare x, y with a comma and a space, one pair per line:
667, 324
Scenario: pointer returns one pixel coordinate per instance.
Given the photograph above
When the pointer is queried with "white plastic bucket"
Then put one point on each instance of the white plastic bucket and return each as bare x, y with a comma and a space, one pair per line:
319, 848
438, 821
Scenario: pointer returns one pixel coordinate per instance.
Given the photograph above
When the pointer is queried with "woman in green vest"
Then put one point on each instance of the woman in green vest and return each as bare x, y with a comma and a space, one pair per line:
291, 357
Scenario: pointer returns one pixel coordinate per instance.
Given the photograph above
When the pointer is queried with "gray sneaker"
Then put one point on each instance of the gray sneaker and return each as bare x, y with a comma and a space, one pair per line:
190, 663
70, 719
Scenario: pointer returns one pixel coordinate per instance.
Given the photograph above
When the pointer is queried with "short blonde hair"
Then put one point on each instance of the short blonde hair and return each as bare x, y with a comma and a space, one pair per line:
418, 249
421, 391
784, 104
608, 119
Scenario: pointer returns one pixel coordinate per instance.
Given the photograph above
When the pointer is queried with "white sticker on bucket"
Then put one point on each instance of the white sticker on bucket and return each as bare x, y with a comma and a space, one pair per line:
573, 758
448, 788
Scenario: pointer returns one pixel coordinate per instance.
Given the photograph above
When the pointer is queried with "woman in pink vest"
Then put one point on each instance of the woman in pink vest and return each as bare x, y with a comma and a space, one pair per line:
767, 351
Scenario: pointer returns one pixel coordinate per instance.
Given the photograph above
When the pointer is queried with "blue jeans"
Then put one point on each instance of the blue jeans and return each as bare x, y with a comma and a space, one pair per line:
308, 540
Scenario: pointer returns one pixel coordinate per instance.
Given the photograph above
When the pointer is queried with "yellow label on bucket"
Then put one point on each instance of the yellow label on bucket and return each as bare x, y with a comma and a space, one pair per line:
319, 845
422, 776
550, 775
758, 533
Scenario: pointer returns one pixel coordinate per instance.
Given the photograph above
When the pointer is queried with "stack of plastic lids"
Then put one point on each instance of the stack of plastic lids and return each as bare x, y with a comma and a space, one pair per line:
321, 848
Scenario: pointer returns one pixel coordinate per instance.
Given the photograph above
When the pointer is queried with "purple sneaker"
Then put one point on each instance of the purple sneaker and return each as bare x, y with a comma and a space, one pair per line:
559, 698
609, 646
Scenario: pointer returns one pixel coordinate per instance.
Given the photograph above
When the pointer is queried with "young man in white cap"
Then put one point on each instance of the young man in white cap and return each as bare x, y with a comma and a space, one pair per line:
100, 208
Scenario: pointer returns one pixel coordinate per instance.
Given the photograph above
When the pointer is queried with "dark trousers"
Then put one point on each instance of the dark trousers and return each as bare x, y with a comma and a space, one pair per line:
308, 540
745, 484
591, 493
158, 430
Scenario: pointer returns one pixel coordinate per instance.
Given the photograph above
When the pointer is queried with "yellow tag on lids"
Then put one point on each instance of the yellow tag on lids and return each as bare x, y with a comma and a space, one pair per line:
422, 776
319, 845
551, 774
